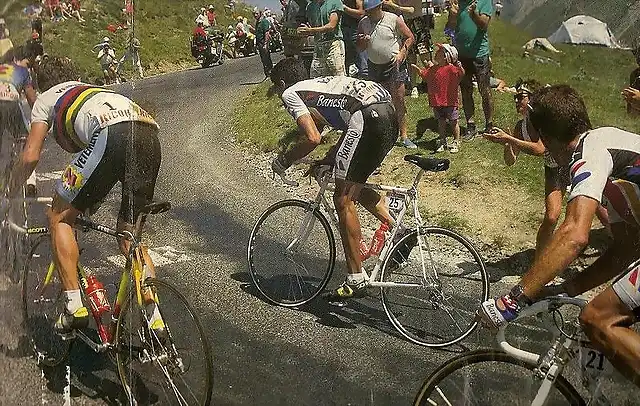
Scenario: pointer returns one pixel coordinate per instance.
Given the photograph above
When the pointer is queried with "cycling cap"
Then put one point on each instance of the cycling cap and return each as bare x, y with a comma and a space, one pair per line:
371, 4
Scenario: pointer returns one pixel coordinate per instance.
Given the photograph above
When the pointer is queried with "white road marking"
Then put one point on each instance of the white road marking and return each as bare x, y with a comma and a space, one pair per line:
49, 176
159, 255
67, 387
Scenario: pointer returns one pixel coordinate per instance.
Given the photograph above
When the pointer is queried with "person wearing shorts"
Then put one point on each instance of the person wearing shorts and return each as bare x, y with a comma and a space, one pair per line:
324, 18
387, 40
16, 83
114, 140
364, 112
443, 79
470, 19
604, 169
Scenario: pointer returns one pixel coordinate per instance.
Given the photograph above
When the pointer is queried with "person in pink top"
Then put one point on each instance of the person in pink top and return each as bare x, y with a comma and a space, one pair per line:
443, 79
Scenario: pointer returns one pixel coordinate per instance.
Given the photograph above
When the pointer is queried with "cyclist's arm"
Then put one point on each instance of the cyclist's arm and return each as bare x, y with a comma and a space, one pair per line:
565, 245
30, 154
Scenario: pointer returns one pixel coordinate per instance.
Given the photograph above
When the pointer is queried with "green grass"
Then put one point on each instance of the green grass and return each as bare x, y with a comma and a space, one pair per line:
163, 26
598, 74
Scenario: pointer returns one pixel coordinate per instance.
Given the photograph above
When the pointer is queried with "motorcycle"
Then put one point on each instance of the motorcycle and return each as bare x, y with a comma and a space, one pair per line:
243, 46
209, 51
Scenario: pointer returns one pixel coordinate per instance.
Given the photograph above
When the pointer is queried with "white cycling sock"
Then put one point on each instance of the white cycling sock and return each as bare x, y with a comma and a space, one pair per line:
74, 300
356, 278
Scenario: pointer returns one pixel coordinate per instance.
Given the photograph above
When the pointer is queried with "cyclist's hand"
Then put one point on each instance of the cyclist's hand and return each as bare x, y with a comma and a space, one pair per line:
319, 168
498, 312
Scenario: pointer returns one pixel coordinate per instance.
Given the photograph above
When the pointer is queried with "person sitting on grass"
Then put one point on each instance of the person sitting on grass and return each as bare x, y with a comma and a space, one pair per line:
443, 79
556, 177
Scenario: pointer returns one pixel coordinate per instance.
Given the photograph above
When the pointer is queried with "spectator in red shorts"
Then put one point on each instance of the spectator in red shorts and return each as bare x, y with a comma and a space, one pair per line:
443, 79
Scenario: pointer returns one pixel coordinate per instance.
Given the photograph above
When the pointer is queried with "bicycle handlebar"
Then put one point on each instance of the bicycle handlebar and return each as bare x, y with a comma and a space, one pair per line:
546, 305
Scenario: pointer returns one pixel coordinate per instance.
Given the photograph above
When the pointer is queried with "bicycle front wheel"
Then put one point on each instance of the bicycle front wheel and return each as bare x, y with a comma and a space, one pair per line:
42, 302
490, 377
172, 367
439, 281
291, 253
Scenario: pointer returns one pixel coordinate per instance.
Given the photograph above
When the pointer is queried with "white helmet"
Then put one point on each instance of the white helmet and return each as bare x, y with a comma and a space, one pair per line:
105, 39
451, 53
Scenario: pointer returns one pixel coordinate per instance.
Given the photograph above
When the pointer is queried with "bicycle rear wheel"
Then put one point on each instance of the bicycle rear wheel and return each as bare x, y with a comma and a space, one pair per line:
172, 369
490, 377
446, 282
42, 302
291, 253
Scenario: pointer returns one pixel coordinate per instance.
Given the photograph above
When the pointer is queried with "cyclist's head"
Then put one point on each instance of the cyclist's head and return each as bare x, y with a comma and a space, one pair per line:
560, 116
288, 72
55, 70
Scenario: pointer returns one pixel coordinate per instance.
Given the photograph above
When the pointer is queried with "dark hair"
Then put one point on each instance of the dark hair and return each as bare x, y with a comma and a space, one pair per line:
23, 52
558, 112
531, 85
55, 70
290, 71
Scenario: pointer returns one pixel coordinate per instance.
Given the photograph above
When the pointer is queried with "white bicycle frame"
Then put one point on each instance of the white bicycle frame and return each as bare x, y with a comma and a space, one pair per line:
549, 366
408, 195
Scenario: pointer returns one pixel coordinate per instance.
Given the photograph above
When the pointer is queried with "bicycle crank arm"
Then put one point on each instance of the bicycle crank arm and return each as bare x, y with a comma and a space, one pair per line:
96, 347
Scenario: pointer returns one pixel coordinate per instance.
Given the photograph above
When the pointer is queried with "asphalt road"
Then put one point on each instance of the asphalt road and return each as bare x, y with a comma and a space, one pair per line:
262, 354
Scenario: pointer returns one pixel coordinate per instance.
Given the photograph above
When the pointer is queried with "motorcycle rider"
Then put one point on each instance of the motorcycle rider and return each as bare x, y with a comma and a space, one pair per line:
107, 59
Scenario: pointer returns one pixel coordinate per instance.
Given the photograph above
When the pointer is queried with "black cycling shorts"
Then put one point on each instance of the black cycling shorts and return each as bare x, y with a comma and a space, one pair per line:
128, 152
11, 120
371, 134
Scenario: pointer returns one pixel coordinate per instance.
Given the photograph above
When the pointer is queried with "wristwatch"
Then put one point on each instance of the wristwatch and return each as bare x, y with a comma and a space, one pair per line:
517, 294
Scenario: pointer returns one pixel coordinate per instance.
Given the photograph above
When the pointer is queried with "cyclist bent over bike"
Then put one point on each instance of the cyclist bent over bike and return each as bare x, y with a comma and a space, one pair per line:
605, 168
363, 110
114, 140
15, 81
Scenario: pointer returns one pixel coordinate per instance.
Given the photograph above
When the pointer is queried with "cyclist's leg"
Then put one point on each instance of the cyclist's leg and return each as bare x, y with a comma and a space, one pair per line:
607, 320
370, 136
83, 185
138, 179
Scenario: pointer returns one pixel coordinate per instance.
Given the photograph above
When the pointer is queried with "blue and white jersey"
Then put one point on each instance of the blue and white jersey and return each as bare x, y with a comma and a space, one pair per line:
334, 98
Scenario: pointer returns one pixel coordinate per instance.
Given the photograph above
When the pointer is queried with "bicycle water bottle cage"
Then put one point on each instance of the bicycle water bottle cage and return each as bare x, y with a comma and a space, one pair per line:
428, 164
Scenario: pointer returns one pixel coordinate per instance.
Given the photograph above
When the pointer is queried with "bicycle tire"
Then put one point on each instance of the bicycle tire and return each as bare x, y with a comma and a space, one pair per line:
412, 320
170, 353
301, 288
39, 318
427, 397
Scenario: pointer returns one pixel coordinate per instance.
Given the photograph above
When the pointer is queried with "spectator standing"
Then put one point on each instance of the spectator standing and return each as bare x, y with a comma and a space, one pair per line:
202, 18
211, 16
443, 80
324, 17
470, 19
387, 40
498, 8
263, 34
4, 31
353, 12
133, 53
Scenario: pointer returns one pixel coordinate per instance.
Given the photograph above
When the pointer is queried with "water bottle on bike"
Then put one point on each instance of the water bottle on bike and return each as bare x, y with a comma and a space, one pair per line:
378, 241
100, 306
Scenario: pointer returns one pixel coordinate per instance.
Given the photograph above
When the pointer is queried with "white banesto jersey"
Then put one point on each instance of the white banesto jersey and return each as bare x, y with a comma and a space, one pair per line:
335, 98
74, 111
602, 156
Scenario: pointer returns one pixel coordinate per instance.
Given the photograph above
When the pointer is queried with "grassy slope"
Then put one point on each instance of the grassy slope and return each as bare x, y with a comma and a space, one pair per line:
597, 73
163, 27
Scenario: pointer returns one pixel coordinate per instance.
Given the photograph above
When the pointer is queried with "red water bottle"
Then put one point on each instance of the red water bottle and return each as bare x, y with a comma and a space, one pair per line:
378, 240
97, 296
364, 250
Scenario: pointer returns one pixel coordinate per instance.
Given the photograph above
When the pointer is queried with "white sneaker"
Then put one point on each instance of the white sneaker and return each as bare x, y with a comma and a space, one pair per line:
453, 148
414, 93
